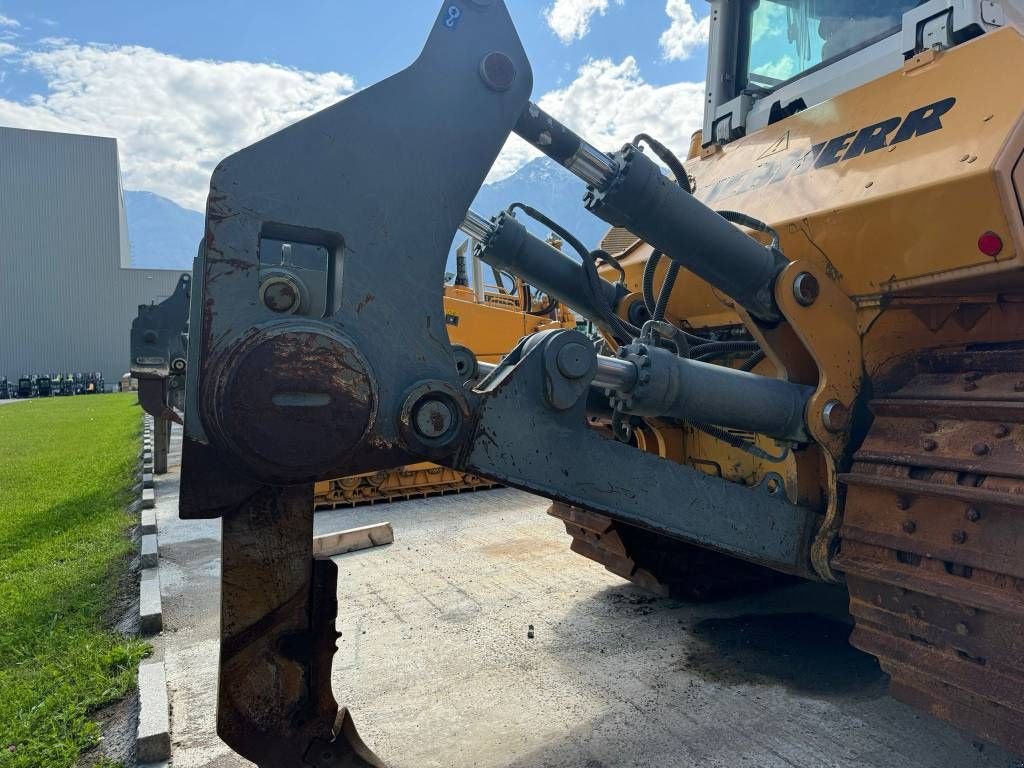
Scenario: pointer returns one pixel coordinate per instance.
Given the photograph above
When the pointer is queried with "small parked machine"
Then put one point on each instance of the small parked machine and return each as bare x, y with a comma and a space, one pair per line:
67, 385
92, 383
44, 386
159, 345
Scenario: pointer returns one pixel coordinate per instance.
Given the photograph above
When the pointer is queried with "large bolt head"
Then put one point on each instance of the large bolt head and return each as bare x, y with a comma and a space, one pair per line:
281, 295
498, 71
574, 360
806, 289
433, 418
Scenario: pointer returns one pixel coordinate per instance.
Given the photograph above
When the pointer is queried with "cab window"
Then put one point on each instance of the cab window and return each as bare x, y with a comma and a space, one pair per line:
784, 39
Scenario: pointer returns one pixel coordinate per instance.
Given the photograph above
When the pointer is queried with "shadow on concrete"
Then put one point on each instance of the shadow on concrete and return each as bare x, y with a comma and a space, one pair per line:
796, 637
803, 652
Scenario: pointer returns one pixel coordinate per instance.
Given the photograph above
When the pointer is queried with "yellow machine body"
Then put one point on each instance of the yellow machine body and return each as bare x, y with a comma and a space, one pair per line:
897, 227
904, 199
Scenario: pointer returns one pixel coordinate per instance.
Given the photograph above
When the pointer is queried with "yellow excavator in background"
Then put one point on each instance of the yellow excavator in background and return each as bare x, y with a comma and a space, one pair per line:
487, 320
811, 358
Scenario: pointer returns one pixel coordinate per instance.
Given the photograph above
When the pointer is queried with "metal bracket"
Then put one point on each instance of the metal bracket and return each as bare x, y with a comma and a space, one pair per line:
824, 319
325, 247
944, 23
520, 440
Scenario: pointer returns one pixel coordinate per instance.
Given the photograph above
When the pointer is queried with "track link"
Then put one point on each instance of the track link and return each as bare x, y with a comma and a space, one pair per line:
932, 542
415, 481
657, 563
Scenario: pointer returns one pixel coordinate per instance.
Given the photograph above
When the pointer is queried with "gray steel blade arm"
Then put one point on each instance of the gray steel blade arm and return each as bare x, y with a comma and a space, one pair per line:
522, 440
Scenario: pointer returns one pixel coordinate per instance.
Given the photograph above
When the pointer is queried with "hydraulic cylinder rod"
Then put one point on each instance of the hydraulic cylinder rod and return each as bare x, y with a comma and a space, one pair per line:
655, 382
669, 386
628, 189
507, 245
612, 373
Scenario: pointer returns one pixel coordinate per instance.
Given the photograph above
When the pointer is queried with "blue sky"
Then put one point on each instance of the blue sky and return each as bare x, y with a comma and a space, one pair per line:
181, 84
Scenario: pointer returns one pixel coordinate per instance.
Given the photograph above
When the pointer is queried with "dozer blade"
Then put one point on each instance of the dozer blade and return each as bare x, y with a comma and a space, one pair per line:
313, 237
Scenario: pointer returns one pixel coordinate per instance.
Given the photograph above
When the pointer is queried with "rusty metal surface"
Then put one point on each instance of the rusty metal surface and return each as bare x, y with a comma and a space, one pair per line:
291, 399
932, 546
278, 609
283, 393
153, 397
660, 564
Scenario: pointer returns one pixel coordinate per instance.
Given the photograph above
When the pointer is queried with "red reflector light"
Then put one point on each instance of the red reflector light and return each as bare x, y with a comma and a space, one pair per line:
990, 244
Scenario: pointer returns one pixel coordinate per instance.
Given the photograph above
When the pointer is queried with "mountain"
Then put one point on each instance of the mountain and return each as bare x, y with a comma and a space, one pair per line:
164, 235
552, 190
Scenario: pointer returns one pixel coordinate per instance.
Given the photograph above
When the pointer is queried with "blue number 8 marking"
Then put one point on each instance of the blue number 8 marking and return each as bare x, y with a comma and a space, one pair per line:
454, 13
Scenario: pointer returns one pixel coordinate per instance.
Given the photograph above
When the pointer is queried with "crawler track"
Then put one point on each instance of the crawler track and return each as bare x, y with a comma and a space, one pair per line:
932, 543
658, 563
414, 481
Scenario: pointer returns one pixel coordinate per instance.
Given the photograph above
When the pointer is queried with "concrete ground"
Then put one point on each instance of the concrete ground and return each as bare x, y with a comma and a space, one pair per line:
437, 667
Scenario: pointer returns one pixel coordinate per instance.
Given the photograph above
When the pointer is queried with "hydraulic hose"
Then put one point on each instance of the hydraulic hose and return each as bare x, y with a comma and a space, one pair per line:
650, 269
666, 290
668, 158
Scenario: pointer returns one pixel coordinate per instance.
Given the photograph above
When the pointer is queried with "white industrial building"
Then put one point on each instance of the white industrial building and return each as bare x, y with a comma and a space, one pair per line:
69, 293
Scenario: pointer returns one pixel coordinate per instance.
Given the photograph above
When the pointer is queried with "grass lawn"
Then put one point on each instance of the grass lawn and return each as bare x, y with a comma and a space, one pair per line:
66, 467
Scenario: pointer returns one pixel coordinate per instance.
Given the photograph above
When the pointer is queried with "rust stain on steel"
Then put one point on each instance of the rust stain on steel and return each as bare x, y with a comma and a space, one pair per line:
364, 301
153, 399
297, 401
933, 550
278, 638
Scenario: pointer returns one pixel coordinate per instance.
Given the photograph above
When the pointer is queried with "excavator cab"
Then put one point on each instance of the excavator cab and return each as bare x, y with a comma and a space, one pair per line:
874, 295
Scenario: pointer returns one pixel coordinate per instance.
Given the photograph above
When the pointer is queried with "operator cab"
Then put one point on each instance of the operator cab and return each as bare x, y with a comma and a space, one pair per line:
769, 59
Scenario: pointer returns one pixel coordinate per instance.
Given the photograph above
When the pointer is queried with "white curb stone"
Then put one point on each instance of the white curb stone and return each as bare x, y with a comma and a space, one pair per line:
150, 554
153, 740
151, 618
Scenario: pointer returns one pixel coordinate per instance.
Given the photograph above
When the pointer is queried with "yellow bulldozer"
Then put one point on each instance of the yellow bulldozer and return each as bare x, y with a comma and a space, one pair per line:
487, 320
809, 355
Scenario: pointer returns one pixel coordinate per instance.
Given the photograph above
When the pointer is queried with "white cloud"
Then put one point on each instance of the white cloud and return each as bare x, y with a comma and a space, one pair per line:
7, 21
6, 49
174, 118
570, 19
608, 104
782, 68
686, 31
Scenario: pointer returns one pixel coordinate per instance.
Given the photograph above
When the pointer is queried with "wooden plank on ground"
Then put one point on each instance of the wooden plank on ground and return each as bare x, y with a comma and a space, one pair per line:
352, 540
